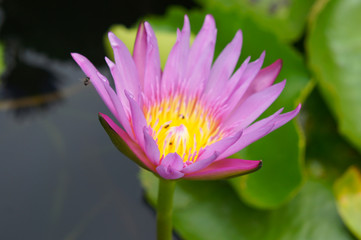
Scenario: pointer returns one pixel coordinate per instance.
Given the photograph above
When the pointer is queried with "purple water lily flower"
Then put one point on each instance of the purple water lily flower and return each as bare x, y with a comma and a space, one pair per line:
185, 121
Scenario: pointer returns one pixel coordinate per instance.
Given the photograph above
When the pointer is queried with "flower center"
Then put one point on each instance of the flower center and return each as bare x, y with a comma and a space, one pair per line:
182, 125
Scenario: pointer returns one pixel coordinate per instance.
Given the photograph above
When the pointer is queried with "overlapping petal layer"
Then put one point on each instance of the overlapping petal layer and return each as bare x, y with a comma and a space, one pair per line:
185, 121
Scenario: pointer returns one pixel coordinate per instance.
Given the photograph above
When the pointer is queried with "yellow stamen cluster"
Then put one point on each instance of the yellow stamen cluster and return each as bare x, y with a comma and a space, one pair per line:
184, 126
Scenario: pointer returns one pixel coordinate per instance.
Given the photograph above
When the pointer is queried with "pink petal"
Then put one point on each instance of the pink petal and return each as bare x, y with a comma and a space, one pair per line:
200, 164
118, 81
225, 168
91, 72
252, 134
138, 119
254, 106
223, 67
260, 129
232, 83
121, 115
152, 72
243, 84
264, 78
134, 147
140, 52
151, 147
128, 75
286, 117
201, 57
175, 66
171, 166
219, 146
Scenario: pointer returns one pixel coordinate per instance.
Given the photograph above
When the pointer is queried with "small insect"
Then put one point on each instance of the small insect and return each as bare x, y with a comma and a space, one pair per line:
181, 116
166, 126
86, 81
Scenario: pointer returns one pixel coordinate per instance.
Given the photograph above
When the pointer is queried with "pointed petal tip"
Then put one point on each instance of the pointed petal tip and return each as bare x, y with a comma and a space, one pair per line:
225, 168
279, 86
150, 35
148, 27
78, 57
209, 22
111, 35
237, 39
260, 60
263, 54
141, 24
186, 24
140, 33
168, 173
170, 167
274, 68
200, 164
238, 134
101, 115
113, 39
129, 95
298, 108
186, 18
209, 18
109, 62
74, 54
239, 34
151, 147
260, 164
102, 78
279, 62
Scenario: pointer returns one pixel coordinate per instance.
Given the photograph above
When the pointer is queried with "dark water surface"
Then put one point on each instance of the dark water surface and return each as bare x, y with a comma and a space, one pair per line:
60, 176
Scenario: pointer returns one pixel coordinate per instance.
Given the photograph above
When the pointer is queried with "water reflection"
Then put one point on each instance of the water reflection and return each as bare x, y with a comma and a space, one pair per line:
61, 178
28, 84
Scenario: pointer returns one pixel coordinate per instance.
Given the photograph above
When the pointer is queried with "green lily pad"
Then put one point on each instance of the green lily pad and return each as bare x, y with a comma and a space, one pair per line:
329, 155
286, 19
212, 210
334, 51
348, 195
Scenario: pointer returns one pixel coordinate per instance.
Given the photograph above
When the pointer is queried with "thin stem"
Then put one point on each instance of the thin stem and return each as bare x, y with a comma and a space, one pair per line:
164, 209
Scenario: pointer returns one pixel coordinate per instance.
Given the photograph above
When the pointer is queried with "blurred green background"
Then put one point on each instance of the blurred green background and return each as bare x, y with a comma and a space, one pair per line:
63, 179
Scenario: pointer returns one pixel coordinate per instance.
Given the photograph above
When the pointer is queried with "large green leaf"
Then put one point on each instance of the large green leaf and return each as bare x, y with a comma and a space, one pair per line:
348, 194
334, 51
329, 155
286, 19
211, 210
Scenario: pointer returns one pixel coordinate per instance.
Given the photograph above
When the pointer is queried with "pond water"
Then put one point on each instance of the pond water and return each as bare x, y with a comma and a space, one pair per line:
60, 175
61, 178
